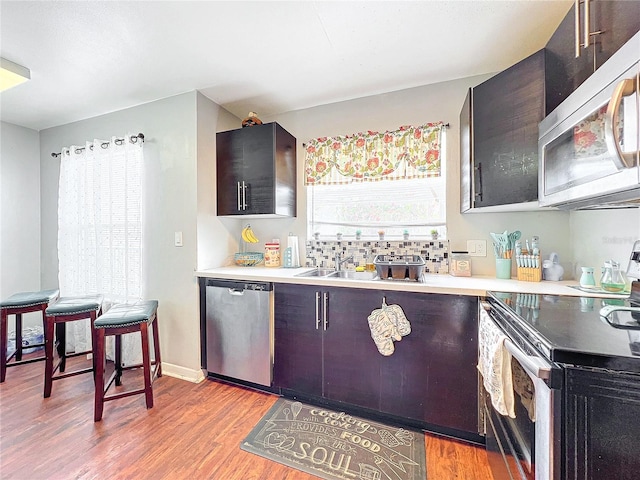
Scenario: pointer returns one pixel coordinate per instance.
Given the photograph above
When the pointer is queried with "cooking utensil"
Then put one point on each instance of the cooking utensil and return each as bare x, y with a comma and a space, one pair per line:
513, 237
501, 245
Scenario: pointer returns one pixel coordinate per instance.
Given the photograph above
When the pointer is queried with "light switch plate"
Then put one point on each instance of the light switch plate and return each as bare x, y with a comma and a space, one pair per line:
177, 239
477, 248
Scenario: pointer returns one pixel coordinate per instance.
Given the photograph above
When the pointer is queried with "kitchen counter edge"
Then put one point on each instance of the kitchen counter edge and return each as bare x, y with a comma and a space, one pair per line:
476, 286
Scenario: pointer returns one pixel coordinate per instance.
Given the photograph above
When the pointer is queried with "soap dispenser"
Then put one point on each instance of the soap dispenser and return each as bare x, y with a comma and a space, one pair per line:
370, 266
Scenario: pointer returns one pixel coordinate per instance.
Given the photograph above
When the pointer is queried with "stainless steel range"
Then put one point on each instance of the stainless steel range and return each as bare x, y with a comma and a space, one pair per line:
549, 338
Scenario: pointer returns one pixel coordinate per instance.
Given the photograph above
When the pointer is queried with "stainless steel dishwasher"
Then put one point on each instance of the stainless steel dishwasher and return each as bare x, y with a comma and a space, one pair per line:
239, 330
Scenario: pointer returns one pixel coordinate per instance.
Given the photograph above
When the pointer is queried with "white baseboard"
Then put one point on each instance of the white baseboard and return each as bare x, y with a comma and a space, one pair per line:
183, 373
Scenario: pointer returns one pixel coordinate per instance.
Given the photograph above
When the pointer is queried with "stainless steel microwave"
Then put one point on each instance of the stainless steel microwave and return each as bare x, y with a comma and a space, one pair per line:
589, 145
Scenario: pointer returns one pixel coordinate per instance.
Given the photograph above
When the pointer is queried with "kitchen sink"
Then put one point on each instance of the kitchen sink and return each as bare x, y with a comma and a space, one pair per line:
331, 273
353, 275
318, 272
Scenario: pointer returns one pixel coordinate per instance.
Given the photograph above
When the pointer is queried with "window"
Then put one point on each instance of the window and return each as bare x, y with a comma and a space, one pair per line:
416, 205
100, 231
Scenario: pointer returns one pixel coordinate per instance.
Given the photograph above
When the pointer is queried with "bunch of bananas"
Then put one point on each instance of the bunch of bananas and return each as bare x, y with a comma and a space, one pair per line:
248, 235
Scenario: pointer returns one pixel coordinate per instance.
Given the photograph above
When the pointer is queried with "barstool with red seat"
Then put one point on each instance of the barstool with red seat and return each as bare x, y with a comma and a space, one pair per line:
67, 309
121, 319
18, 304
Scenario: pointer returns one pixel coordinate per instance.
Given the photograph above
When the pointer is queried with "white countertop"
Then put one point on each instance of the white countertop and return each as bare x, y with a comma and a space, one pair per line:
434, 283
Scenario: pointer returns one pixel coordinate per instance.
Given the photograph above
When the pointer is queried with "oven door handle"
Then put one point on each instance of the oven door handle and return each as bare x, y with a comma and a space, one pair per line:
533, 365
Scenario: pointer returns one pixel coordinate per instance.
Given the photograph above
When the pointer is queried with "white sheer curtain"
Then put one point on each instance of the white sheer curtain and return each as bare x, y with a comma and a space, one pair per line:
100, 227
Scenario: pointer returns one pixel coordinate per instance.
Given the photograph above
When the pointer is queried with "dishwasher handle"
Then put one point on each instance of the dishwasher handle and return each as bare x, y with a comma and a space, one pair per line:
239, 285
236, 291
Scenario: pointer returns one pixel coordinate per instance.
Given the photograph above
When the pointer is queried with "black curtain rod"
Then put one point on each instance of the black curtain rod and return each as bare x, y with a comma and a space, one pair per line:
119, 141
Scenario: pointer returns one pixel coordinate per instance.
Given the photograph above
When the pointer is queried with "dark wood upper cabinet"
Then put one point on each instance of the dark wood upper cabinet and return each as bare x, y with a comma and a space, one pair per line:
256, 171
612, 24
499, 136
499, 119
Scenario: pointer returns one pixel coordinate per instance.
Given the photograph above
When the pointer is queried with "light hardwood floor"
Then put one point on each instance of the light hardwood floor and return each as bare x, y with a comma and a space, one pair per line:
193, 432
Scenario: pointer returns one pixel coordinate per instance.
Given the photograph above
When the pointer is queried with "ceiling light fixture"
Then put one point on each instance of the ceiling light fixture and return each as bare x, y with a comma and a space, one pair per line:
12, 74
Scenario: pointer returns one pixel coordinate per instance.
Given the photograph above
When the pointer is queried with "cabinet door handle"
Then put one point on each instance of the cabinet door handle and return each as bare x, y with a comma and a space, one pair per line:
478, 194
317, 310
621, 159
238, 194
577, 28
587, 40
586, 33
244, 196
325, 309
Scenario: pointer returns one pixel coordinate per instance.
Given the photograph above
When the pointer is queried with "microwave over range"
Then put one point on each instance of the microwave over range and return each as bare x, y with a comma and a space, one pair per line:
589, 146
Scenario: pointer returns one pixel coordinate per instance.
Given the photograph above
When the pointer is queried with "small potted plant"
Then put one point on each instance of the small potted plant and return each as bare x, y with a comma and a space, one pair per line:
434, 234
358, 234
339, 236
316, 235
381, 234
405, 235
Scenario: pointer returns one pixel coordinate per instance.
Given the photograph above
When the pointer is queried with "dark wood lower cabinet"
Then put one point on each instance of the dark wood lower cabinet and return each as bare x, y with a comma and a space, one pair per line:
323, 348
432, 374
602, 412
351, 359
297, 340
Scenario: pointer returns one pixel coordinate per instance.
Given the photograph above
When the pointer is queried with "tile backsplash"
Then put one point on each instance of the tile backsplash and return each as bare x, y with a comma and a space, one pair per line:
321, 253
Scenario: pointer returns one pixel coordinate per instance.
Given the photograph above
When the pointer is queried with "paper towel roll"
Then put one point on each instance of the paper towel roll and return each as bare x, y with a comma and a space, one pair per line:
292, 243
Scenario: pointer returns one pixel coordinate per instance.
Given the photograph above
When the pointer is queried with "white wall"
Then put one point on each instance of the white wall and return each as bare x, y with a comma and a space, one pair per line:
599, 235
216, 236
171, 157
20, 213
429, 103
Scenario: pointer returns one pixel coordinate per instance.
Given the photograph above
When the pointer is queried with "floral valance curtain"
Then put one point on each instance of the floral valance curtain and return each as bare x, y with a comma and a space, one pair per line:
409, 152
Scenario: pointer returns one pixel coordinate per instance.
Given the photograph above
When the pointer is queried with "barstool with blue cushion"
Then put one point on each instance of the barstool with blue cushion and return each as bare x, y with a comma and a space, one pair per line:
121, 319
18, 304
67, 309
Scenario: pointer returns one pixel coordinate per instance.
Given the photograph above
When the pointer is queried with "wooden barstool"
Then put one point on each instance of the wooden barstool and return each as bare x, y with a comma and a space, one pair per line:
121, 319
67, 309
18, 304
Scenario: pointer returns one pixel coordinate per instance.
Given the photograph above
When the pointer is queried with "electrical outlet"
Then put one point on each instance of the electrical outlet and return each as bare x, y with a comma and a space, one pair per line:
477, 248
177, 241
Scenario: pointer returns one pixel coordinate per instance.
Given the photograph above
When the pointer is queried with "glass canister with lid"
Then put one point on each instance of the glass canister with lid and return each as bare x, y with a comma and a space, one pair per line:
612, 279
460, 264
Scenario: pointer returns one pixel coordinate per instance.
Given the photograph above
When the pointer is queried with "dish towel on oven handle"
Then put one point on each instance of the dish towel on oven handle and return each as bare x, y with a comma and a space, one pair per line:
525, 389
387, 324
494, 364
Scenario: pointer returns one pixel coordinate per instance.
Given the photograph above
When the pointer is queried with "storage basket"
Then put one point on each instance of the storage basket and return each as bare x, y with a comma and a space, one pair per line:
399, 267
248, 259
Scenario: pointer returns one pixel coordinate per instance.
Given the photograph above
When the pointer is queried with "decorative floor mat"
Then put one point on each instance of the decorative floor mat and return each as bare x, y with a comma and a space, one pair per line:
334, 445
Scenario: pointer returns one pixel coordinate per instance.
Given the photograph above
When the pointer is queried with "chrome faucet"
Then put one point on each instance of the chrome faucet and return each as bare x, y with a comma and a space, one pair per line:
340, 260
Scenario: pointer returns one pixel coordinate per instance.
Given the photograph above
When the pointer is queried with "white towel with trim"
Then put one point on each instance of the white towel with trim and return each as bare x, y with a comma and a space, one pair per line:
494, 364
